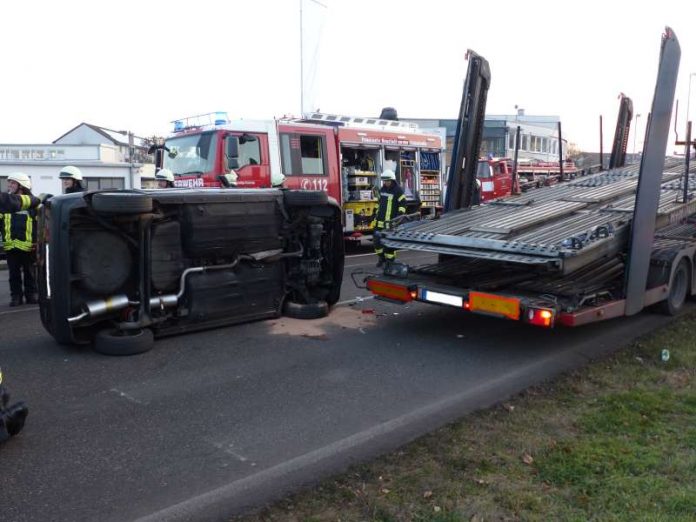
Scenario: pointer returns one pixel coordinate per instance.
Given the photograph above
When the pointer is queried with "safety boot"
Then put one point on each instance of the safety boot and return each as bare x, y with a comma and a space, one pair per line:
16, 300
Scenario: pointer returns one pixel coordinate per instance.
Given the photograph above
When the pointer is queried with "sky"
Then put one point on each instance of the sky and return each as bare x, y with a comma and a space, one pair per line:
137, 65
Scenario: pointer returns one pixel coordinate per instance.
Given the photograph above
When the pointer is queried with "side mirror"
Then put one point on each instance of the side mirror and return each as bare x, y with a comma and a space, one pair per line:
246, 138
232, 163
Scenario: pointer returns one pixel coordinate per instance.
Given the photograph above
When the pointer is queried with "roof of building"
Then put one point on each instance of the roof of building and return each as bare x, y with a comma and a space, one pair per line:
115, 137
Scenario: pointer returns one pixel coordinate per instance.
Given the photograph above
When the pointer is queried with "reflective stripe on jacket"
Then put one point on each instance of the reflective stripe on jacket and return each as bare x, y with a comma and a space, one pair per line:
15, 203
392, 203
18, 230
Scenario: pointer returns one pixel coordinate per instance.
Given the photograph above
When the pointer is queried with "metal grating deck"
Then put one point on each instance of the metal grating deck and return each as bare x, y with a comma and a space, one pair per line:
562, 227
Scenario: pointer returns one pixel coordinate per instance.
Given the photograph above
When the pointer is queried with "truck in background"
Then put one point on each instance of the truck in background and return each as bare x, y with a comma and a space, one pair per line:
340, 155
595, 248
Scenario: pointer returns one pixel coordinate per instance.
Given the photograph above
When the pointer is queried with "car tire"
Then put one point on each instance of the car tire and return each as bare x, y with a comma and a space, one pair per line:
305, 198
305, 311
121, 203
678, 290
118, 342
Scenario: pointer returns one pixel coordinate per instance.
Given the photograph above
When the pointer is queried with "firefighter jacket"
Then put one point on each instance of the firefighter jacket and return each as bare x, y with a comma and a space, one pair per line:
19, 230
15, 203
392, 203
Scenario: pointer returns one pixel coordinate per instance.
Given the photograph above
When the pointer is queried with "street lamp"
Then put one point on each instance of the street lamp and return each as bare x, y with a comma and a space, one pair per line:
635, 135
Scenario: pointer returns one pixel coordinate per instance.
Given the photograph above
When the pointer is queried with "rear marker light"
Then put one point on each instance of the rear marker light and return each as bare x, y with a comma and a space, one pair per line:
540, 317
390, 291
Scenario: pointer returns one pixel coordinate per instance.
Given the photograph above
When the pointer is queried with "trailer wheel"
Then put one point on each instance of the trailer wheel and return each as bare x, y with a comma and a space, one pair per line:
305, 198
117, 342
306, 311
121, 203
678, 290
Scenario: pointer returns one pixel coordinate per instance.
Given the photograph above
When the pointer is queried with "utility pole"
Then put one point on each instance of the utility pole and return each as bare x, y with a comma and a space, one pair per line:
302, 101
688, 96
301, 64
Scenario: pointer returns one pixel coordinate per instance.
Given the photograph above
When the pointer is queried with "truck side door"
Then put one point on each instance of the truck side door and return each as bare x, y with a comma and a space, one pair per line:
246, 153
502, 178
309, 159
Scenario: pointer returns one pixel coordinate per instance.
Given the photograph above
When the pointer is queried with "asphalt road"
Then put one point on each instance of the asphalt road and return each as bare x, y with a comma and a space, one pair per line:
211, 423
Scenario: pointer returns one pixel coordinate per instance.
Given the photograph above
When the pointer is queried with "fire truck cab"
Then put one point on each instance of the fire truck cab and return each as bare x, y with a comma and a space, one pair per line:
340, 155
496, 178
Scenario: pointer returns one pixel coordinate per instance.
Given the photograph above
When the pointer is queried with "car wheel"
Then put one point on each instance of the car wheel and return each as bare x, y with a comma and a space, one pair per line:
119, 342
305, 198
305, 311
121, 203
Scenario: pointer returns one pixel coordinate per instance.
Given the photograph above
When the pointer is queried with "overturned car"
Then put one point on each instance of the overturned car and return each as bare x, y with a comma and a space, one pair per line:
118, 268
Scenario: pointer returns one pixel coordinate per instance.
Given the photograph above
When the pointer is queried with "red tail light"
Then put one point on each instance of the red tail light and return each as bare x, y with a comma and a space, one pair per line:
540, 317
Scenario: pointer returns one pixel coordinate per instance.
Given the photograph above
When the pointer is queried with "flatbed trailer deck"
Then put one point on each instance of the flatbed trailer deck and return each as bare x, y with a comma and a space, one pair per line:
557, 256
559, 228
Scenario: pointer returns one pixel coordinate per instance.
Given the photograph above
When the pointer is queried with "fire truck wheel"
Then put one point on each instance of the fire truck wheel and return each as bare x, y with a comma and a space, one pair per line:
121, 203
118, 342
305, 198
678, 290
306, 311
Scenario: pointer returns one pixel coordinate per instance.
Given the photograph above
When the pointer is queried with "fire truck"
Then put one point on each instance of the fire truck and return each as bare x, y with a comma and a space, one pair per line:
340, 155
497, 178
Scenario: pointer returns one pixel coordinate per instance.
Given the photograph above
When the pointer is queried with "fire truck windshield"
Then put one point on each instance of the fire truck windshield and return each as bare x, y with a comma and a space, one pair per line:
192, 154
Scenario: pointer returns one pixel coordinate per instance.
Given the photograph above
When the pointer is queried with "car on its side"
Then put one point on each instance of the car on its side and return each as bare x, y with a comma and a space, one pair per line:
118, 268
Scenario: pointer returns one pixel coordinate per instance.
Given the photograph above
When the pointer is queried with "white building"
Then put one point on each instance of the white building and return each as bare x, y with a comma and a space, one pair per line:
101, 154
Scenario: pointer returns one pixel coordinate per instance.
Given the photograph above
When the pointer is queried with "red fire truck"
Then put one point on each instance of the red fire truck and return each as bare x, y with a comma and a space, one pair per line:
495, 175
340, 155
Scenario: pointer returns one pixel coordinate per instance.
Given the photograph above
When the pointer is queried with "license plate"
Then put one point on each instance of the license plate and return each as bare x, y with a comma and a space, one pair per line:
494, 304
437, 297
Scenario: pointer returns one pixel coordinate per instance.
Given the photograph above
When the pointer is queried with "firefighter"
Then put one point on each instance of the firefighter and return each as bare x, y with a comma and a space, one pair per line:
72, 179
10, 203
165, 179
392, 203
19, 236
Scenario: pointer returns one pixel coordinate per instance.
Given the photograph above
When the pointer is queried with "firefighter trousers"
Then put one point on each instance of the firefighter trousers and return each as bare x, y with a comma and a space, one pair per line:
21, 263
386, 253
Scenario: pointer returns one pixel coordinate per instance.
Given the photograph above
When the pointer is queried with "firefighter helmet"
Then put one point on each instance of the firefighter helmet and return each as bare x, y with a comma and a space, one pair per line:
165, 175
21, 178
70, 172
389, 174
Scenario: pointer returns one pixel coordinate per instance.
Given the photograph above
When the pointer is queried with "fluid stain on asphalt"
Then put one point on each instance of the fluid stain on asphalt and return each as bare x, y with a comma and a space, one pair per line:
340, 317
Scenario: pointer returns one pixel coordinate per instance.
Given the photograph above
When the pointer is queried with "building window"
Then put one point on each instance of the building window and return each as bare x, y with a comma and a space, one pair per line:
544, 144
511, 140
525, 142
105, 183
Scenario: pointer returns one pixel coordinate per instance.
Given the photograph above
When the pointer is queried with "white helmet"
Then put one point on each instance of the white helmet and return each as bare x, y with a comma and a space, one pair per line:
21, 178
70, 172
165, 175
389, 174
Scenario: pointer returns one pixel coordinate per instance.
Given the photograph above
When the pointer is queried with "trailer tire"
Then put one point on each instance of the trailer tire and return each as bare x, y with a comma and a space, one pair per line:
678, 290
116, 342
305, 311
121, 203
305, 198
